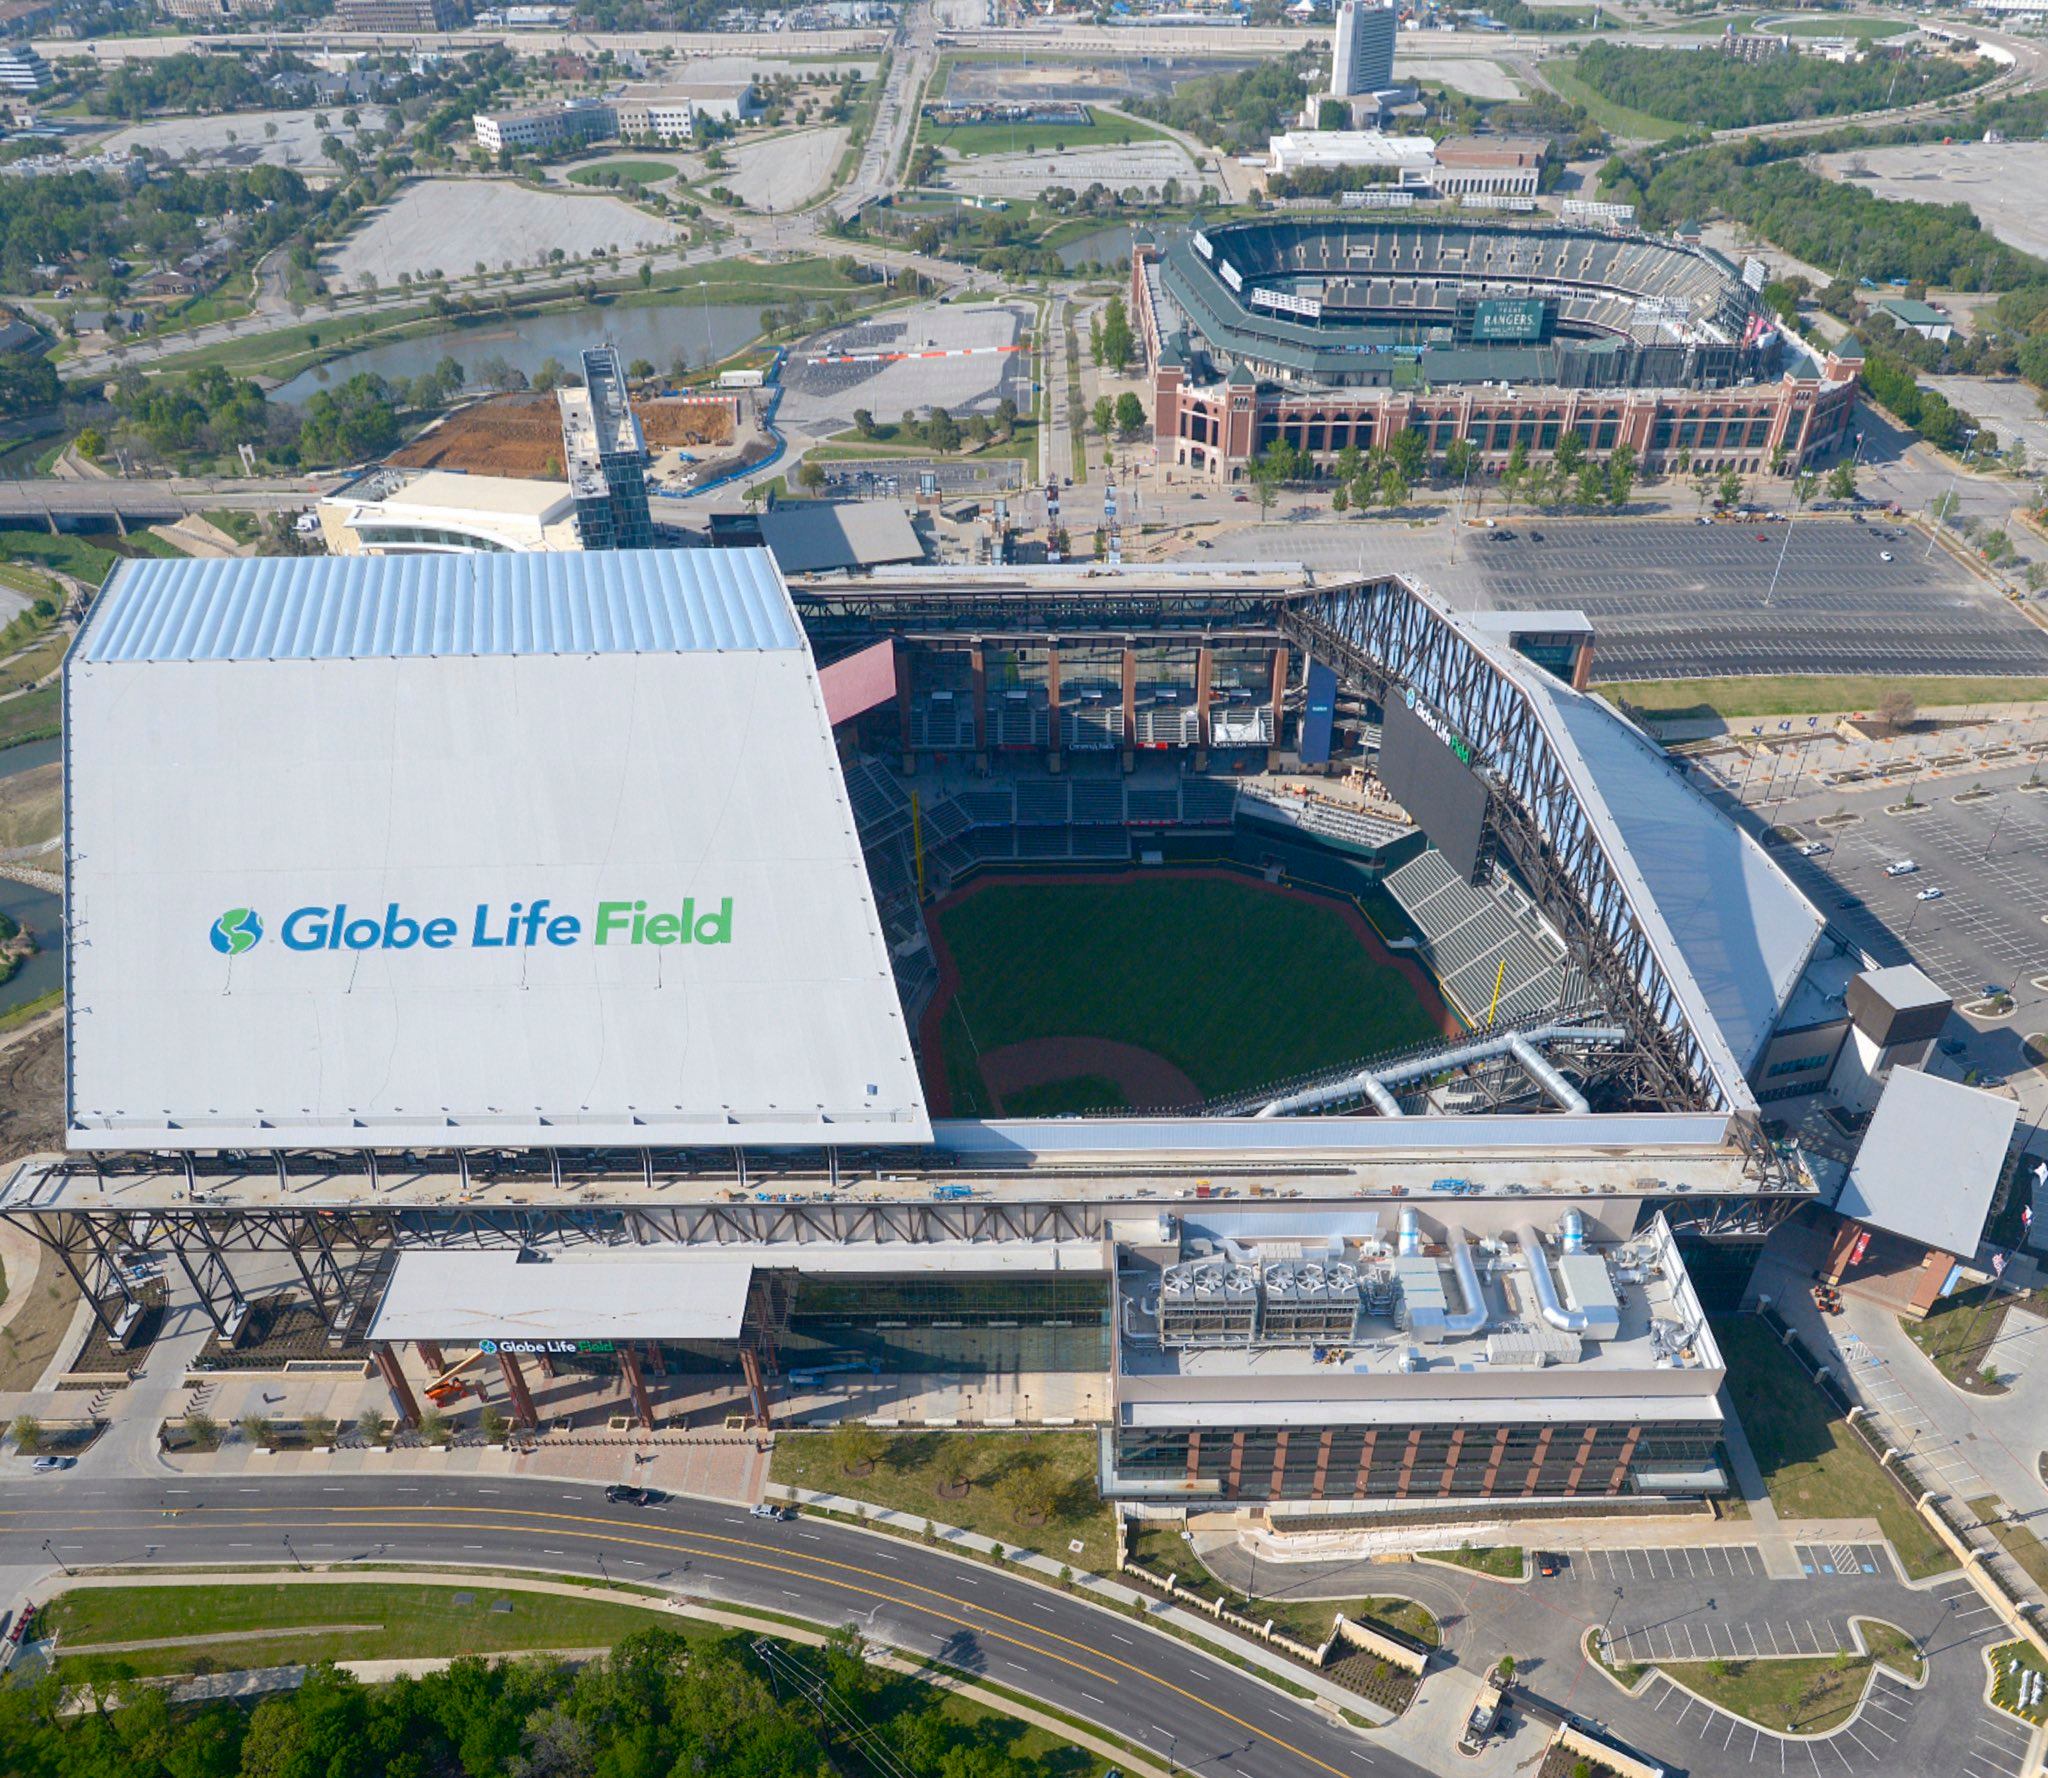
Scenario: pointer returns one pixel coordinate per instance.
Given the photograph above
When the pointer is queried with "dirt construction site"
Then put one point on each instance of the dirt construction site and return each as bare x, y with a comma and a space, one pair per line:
521, 435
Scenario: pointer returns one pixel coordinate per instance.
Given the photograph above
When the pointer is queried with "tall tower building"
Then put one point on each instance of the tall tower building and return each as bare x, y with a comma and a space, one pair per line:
1364, 58
606, 457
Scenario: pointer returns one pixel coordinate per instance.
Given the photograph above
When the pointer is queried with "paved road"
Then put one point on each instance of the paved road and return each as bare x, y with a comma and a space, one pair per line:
1133, 1681
1704, 1603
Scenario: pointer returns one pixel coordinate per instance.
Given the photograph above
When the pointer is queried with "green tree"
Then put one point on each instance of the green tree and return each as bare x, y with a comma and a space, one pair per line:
1103, 414
810, 476
1410, 452
491, 1422
1514, 477
318, 1429
863, 422
646, 274
856, 1446
257, 1429
1393, 485
1267, 470
1570, 452
1622, 464
372, 1424
1034, 1490
1350, 460
203, 1430
1460, 457
434, 1427
942, 431
1730, 487
1589, 488
1339, 500
28, 1434
1130, 413
1116, 342
1842, 481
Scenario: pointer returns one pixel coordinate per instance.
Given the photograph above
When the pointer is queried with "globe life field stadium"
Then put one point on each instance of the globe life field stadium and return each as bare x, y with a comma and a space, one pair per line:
509, 960
1325, 332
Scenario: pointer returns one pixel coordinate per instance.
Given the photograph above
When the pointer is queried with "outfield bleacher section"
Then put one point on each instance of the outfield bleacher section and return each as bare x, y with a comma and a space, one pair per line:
1479, 941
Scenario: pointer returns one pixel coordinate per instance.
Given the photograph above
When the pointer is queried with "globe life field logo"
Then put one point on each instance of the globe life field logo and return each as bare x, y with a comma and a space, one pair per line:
236, 931
520, 926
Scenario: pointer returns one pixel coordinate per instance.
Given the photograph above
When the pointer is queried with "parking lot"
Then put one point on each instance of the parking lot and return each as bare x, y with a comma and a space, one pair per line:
932, 356
1671, 599
1699, 601
1987, 855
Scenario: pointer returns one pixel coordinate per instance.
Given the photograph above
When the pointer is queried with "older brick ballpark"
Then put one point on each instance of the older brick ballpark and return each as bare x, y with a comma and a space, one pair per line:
1331, 331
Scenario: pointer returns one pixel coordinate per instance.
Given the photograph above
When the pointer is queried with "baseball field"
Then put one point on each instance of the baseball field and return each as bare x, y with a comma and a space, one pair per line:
1154, 990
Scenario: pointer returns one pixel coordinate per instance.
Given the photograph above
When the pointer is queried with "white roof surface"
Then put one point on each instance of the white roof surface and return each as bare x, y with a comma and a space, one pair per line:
448, 734
464, 1297
1930, 1161
1733, 930
503, 496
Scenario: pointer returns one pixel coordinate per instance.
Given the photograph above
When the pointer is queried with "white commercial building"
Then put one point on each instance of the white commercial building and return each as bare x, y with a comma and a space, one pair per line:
1411, 160
465, 851
546, 126
446, 514
1362, 60
671, 112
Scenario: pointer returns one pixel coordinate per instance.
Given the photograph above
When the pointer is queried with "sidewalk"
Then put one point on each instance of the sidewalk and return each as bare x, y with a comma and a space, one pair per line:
1099, 1590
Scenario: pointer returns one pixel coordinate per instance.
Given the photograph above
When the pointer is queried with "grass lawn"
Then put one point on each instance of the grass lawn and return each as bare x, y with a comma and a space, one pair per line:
1619, 120
1960, 1336
1501, 1560
1865, 30
1101, 131
2009, 1661
2019, 1540
908, 1477
1813, 1463
1160, 1549
1802, 1695
409, 1620
1677, 700
1164, 963
29, 1341
241, 526
61, 550
32, 663
634, 172
34, 716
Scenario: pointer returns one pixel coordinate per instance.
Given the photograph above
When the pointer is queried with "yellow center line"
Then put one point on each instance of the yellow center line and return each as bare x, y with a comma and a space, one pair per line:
367, 1515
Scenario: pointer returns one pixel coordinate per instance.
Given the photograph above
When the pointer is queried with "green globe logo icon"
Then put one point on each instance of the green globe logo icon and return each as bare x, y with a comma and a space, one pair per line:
236, 931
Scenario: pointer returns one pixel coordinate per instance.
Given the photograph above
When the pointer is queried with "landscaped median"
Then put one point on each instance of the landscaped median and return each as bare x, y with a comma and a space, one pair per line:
1790, 1694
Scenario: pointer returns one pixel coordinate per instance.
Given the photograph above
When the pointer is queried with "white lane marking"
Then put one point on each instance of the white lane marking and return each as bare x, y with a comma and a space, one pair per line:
1125, 1640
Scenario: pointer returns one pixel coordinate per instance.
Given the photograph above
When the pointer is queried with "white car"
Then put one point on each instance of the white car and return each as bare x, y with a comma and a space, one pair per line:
1928, 895
1884, 555
1813, 848
767, 1510
1900, 867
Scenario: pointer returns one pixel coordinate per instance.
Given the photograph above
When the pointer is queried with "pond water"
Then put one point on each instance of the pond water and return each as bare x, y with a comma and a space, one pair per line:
42, 913
1105, 245
655, 331
29, 755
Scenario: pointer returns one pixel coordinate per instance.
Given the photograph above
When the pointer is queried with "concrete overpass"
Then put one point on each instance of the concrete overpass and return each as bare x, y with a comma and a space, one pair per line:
51, 505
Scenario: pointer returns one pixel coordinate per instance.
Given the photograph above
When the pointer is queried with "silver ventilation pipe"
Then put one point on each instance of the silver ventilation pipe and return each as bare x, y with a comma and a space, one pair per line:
1474, 1316
1568, 1320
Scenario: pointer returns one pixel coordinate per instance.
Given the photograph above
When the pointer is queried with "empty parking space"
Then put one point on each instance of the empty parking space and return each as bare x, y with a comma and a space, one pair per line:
1676, 1562
1716, 1741
1842, 1559
1712, 1637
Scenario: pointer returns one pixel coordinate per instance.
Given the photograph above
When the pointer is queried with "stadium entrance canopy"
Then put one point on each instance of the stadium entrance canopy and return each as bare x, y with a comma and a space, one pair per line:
467, 851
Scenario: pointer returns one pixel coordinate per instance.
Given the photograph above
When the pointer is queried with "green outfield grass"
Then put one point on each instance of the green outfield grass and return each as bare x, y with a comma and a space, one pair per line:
1100, 131
1234, 984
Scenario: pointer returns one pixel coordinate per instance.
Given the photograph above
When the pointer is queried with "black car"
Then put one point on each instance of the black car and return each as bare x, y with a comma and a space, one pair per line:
1549, 1565
1850, 901
619, 1494
1535, 536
